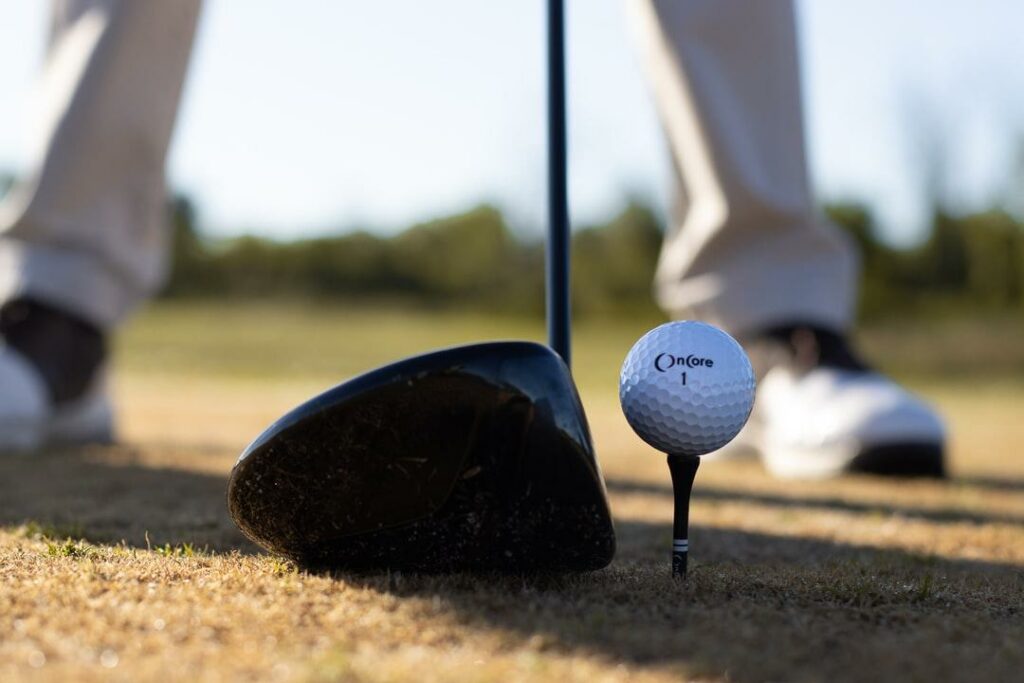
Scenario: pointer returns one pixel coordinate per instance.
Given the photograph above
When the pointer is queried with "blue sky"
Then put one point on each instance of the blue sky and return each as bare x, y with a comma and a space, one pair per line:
311, 116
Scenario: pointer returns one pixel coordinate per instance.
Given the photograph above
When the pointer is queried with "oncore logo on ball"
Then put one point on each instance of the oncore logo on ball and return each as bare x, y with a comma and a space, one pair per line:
664, 362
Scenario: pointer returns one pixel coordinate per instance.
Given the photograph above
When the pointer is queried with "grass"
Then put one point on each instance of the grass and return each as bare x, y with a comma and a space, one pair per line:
119, 563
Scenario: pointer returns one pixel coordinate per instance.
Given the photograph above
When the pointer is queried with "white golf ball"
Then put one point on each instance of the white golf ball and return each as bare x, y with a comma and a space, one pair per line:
686, 388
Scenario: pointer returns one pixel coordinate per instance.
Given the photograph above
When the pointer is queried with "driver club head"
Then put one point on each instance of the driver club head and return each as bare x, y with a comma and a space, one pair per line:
470, 458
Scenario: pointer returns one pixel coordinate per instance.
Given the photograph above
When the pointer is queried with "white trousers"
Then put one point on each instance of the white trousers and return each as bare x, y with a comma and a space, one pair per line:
86, 229
748, 249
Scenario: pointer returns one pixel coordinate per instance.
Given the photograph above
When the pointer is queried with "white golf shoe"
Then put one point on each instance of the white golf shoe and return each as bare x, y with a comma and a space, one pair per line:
23, 403
29, 420
52, 384
820, 412
826, 421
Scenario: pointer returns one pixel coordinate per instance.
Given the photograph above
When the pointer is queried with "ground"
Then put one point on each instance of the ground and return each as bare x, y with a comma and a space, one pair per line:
119, 563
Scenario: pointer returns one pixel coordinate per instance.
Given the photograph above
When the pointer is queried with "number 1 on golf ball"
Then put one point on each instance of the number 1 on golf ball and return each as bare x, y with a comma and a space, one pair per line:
686, 388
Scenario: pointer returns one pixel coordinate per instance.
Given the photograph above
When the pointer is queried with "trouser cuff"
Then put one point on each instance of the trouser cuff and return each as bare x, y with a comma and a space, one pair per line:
69, 280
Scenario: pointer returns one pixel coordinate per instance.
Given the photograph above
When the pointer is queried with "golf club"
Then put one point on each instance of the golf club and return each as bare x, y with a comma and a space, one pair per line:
468, 458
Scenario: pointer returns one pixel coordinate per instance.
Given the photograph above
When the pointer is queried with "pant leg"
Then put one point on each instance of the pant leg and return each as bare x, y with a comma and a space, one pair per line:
748, 249
85, 229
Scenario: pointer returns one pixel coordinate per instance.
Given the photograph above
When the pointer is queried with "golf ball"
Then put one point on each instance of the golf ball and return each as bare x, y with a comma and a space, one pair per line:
686, 388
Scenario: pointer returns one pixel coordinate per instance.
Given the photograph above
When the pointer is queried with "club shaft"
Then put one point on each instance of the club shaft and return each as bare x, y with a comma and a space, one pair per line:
558, 257
684, 470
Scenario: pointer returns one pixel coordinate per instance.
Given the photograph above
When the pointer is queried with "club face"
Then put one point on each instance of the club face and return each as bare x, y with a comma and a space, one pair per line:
476, 457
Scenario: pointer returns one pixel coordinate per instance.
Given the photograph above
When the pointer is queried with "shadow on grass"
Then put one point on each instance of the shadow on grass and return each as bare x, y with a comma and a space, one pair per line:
108, 495
756, 606
724, 495
993, 483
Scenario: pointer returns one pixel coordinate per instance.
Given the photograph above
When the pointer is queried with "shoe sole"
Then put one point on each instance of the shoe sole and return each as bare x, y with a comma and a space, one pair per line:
86, 423
89, 421
19, 436
906, 459
901, 460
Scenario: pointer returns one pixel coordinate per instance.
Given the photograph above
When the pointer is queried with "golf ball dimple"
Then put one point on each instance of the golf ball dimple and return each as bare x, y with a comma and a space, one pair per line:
686, 388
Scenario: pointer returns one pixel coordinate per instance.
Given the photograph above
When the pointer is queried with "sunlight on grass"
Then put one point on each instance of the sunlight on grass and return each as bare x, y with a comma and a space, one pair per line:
120, 562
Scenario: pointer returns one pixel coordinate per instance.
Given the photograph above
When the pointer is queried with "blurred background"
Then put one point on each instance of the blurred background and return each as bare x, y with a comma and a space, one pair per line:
361, 153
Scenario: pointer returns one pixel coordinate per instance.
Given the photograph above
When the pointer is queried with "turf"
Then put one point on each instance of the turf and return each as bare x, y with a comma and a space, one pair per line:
119, 563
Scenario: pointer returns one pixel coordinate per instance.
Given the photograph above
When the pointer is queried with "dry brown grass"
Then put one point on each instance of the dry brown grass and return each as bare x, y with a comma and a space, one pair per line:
120, 564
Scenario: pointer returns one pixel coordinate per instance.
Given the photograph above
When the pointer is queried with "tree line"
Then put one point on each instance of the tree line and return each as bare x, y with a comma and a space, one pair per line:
968, 263
470, 259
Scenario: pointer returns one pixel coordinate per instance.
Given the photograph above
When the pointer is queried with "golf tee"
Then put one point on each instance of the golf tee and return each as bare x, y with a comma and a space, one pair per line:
683, 469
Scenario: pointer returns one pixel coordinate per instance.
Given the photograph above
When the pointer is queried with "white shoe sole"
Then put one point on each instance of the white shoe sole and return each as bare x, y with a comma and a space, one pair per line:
908, 459
19, 436
788, 462
88, 420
